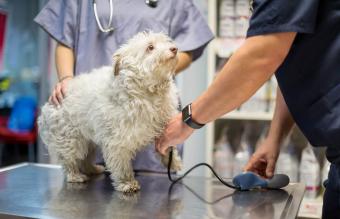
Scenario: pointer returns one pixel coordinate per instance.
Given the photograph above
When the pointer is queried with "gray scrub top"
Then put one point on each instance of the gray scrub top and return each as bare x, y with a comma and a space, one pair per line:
72, 23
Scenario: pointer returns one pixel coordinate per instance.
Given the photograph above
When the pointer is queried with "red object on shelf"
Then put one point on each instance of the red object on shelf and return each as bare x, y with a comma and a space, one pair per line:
7, 136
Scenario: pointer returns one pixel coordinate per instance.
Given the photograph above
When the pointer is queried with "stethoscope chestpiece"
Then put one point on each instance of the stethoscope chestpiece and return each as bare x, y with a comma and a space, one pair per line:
151, 3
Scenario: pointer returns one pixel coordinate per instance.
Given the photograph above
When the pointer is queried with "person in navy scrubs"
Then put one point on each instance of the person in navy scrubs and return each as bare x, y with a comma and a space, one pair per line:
300, 42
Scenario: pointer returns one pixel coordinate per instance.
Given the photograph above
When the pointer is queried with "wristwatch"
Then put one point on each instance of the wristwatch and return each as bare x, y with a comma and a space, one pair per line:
187, 118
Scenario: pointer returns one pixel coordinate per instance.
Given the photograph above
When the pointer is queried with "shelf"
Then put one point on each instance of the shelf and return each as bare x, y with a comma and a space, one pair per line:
267, 116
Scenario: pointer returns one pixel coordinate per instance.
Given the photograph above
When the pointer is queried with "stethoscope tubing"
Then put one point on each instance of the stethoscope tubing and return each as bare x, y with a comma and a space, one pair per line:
109, 28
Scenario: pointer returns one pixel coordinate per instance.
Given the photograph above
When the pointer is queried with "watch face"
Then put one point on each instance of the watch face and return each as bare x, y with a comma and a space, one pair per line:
186, 113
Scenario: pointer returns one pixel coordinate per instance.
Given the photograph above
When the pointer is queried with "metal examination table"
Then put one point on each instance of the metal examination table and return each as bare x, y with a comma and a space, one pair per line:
39, 191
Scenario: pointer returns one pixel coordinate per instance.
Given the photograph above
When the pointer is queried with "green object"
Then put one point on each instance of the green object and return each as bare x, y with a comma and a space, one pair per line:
4, 84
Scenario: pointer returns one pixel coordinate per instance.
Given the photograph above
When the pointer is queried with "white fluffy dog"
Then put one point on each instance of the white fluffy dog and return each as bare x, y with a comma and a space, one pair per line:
119, 108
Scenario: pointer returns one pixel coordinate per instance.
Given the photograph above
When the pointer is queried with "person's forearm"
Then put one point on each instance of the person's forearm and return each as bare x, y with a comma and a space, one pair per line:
184, 61
246, 71
282, 121
64, 58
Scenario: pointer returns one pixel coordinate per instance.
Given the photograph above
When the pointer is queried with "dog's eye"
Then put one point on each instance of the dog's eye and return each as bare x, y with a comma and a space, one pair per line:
150, 47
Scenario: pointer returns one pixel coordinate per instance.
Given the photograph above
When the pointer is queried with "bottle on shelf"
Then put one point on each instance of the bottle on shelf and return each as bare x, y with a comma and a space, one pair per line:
242, 13
244, 151
325, 170
288, 161
310, 172
223, 156
226, 19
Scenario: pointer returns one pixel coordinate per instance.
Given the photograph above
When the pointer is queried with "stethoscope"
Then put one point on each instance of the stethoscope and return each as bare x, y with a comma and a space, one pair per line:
109, 28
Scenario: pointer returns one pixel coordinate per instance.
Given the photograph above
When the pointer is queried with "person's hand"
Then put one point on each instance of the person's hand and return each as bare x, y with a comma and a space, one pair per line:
59, 91
264, 159
176, 132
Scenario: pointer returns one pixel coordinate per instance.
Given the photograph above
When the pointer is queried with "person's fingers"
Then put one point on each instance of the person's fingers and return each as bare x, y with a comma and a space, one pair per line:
63, 91
270, 168
163, 148
160, 145
157, 144
54, 99
58, 93
250, 165
50, 100
257, 166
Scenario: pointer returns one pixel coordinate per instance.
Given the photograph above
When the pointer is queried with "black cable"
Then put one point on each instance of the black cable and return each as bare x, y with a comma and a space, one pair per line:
197, 165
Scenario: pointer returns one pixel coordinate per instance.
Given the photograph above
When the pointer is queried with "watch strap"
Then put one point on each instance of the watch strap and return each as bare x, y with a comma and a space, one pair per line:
187, 118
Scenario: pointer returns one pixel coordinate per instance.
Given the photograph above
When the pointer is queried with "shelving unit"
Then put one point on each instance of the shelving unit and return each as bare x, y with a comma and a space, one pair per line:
223, 48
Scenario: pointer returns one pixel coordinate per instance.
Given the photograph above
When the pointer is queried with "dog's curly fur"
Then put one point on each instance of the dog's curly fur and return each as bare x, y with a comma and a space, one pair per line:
120, 109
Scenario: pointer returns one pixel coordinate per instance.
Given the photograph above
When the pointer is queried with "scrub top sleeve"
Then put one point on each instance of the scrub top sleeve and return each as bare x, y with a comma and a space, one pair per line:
59, 19
189, 28
273, 16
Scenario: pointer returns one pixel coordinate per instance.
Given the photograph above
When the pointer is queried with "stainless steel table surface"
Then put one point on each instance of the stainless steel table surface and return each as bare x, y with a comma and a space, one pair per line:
39, 191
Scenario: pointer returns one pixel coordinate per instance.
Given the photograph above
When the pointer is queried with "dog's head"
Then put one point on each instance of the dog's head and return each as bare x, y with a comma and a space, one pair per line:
147, 54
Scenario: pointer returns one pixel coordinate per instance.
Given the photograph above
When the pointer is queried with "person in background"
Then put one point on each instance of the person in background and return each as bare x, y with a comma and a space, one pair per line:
300, 41
89, 32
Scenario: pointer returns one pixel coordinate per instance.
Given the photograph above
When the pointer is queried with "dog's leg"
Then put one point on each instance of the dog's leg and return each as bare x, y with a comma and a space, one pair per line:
70, 154
88, 167
72, 171
176, 163
119, 164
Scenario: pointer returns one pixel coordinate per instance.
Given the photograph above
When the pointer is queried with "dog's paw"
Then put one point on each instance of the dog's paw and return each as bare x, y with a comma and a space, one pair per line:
176, 163
76, 178
127, 187
94, 169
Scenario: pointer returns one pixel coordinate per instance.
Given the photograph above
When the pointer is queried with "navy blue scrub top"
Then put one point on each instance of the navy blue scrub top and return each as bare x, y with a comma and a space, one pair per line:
309, 77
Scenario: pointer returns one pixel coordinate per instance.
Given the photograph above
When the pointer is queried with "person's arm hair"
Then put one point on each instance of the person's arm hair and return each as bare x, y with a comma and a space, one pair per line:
282, 121
184, 61
64, 59
246, 71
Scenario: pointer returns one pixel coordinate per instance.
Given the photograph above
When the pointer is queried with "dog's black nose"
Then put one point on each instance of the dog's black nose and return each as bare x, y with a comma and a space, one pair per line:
174, 50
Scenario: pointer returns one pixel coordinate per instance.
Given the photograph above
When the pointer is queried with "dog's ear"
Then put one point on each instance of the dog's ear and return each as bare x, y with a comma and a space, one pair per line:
116, 64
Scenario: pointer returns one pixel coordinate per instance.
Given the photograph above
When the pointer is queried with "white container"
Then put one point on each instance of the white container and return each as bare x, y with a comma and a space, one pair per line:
227, 8
310, 172
242, 8
227, 19
272, 89
256, 103
288, 162
325, 170
241, 26
223, 157
227, 27
243, 155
